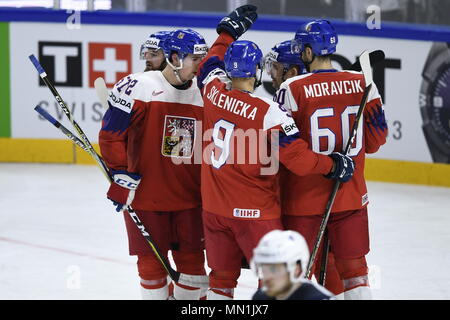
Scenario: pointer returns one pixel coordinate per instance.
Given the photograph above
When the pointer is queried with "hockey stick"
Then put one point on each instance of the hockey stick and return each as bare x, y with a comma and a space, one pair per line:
66, 110
63, 129
375, 57
102, 91
189, 280
324, 259
367, 72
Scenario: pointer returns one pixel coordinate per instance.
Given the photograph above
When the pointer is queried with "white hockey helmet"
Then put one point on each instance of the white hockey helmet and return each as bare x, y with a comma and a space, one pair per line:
279, 246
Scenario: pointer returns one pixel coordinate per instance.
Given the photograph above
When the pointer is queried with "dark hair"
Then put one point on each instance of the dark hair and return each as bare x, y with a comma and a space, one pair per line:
321, 58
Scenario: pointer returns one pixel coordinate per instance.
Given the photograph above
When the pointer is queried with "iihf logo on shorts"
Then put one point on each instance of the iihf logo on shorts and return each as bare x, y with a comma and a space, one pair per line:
246, 213
178, 137
62, 62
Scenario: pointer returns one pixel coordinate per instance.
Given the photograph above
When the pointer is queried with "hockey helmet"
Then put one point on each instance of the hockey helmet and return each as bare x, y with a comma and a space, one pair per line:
279, 246
184, 42
154, 41
283, 54
320, 35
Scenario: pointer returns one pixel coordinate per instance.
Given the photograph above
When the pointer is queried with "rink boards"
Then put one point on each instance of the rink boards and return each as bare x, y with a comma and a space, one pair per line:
77, 48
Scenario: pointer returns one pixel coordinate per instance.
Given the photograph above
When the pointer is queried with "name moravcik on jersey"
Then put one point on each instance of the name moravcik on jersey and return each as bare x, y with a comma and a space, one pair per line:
324, 105
149, 128
233, 187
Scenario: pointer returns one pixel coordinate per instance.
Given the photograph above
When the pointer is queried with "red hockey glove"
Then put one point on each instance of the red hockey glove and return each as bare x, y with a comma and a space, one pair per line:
121, 192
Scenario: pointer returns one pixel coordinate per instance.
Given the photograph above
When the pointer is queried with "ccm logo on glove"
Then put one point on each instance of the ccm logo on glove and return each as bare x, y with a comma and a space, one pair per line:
122, 191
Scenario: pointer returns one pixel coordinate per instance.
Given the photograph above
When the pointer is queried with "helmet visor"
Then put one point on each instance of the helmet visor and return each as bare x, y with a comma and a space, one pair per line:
143, 51
268, 62
266, 270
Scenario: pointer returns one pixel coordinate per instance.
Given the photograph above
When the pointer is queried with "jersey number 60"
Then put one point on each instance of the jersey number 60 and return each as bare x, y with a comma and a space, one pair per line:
318, 133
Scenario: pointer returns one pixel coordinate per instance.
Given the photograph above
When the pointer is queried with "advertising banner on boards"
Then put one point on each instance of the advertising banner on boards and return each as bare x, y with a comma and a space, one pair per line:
413, 81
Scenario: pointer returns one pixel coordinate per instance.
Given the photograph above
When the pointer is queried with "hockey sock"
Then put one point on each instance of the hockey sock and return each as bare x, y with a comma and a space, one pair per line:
189, 263
154, 289
356, 280
333, 281
222, 284
153, 278
220, 294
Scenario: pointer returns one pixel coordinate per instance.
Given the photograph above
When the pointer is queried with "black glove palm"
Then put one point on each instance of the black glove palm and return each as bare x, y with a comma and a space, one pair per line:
238, 21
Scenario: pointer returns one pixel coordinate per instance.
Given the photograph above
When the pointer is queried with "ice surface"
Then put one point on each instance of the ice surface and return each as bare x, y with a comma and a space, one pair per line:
60, 238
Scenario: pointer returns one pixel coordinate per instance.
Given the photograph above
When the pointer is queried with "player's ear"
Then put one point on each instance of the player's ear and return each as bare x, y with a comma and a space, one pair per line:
307, 53
292, 72
175, 60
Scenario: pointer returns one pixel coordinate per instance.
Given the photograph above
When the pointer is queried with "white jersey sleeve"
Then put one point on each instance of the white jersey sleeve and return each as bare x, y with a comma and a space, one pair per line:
277, 115
127, 90
285, 97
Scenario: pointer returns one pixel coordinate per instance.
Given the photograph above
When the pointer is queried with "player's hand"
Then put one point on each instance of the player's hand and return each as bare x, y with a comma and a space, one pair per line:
122, 190
238, 21
343, 167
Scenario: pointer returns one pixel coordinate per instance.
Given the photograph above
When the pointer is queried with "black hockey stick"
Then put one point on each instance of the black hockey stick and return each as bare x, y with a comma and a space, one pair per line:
58, 125
375, 57
324, 259
367, 72
189, 280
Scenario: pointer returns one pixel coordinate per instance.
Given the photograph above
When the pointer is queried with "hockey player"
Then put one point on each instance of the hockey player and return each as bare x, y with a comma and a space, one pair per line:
280, 261
239, 196
282, 64
152, 122
152, 51
324, 104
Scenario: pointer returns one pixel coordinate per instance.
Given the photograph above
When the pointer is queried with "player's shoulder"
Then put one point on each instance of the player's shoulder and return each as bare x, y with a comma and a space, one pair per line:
132, 87
311, 291
136, 85
216, 78
260, 295
268, 102
350, 74
152, 77
299, 78
359, 73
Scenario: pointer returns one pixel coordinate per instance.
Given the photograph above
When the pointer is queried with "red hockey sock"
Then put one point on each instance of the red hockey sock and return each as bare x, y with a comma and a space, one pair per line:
333, 281
354, 272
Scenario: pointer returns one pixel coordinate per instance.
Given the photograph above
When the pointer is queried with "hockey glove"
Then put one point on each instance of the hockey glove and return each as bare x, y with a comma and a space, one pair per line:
343, 167
238, 21
121, 192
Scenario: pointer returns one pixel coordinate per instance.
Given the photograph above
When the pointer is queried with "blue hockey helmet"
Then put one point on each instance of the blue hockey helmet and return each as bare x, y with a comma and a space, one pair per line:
283, 54
241, 59
154, 41
184, 42
320, 35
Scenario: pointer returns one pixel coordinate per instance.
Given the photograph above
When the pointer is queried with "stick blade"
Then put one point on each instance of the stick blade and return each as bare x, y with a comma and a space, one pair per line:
102, 91
194, 280
364, 60
376, 56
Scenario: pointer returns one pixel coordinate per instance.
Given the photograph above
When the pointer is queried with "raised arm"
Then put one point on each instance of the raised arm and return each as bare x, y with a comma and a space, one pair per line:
230, 28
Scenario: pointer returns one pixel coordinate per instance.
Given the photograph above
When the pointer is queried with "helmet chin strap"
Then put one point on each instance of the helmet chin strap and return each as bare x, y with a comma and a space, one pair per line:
176, 70
308, 63
258, 80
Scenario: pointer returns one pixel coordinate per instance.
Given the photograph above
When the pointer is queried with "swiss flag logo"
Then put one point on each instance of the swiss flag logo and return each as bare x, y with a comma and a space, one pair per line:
111, 61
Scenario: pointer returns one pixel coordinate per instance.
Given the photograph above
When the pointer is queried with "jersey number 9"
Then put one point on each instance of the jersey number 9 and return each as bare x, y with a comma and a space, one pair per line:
222, 143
